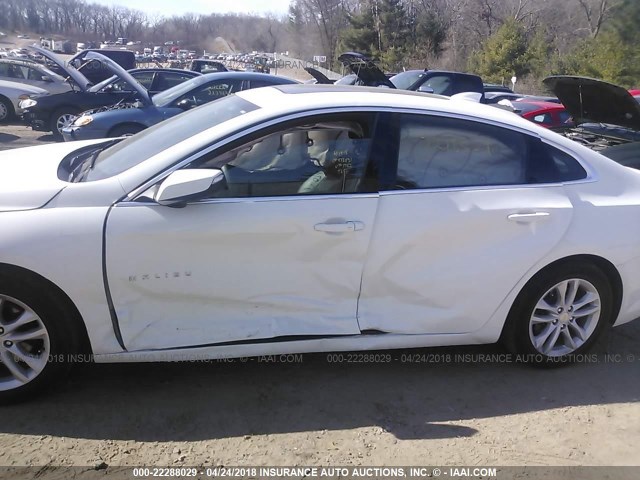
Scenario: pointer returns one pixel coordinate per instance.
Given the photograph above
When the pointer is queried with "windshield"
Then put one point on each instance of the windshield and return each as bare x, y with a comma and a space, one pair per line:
404, 80
165, 98
138, 148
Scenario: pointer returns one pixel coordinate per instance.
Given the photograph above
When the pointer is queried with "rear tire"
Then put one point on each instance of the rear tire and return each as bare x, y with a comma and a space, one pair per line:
559, 314
37, 338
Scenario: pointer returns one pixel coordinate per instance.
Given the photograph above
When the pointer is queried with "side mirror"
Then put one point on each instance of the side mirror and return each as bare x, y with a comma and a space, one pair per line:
46, 78
186, 104
425, 89
184, 185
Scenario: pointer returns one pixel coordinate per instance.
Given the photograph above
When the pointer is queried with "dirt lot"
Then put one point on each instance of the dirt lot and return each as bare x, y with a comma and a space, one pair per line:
16, 135
445, 410
315, 412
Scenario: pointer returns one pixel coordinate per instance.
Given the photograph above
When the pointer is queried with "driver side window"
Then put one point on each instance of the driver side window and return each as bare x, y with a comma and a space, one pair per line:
323, 155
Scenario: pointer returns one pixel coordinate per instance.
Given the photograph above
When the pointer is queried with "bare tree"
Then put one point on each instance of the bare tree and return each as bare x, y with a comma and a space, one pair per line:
596, 12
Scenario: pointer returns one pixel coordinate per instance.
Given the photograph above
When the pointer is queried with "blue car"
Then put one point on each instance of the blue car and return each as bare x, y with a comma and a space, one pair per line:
124, 119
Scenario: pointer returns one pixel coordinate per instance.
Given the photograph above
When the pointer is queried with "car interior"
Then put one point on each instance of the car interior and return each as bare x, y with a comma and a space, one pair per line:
323, 158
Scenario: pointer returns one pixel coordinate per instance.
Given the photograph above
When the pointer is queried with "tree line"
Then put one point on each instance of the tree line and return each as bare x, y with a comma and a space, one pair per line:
497, 39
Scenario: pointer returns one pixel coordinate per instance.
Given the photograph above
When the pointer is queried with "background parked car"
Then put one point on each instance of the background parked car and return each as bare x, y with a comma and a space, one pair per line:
546, 114
34, 74
365, 72
495, 87
94, 70
495, 97
11, 94
203, 65
606, 116
52, 112
117, 121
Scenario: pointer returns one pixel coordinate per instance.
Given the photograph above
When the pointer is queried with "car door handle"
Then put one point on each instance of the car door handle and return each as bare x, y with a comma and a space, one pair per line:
351, 226
528, 217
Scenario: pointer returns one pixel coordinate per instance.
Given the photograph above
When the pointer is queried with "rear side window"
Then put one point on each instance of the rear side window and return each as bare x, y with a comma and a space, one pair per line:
143, 78
260, 83
468, 83
551, 165
166, 80
436, 152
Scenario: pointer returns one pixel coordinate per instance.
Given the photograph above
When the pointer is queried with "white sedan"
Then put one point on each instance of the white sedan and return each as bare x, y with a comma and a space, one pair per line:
312, 218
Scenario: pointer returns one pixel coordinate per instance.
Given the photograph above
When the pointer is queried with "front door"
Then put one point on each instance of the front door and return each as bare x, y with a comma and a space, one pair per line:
276, 252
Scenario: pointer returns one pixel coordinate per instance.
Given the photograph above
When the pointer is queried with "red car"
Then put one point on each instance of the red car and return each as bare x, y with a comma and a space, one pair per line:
547, 114
635, 93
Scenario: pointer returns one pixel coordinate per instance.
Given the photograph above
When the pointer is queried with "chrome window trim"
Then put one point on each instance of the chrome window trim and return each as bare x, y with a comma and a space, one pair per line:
283, 198
473, 188
591, 177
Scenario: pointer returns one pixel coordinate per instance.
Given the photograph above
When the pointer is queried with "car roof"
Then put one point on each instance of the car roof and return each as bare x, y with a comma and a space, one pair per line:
22, 61
283, 99
425, 70
542, 104
207, 77
162, 69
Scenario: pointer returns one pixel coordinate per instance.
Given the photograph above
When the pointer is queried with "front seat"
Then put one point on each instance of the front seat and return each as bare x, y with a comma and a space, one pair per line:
338, 158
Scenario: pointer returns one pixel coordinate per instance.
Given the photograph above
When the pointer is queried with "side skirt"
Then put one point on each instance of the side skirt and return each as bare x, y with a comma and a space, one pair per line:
332, 344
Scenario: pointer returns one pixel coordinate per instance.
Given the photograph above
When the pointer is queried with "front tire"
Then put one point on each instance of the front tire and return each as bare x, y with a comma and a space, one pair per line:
61, 118
36, 338
559, 314
6, 110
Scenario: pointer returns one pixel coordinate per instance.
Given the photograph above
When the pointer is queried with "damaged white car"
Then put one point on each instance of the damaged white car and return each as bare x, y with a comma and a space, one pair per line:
307, 218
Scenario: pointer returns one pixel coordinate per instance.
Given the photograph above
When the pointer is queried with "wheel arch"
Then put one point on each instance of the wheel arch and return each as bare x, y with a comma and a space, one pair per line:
126, 124
608, 268
60, 296
604, 265
67, 106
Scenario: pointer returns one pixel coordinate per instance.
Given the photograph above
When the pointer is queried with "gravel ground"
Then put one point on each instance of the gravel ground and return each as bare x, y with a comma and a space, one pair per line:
443, 410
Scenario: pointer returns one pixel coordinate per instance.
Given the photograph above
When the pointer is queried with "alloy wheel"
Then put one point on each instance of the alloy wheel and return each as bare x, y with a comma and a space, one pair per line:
24, 344
64, 120
565, 317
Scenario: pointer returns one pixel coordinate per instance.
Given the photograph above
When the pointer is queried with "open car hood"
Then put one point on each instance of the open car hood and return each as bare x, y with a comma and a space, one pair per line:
590, 100
116, 69
365, 69
321, 78
80, 80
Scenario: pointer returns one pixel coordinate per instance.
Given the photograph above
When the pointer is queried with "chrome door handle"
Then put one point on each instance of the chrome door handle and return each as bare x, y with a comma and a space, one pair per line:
351, 226
528, 217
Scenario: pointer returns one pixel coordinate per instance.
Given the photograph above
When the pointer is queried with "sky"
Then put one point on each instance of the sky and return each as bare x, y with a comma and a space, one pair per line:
179, 7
